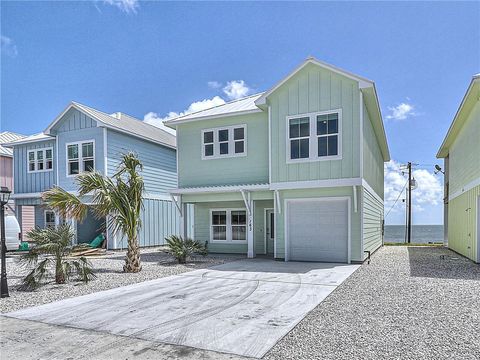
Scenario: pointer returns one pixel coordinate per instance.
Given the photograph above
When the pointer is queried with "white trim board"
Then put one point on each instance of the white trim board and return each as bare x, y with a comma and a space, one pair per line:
371, 191
172, 123
220, 189
464, 189
309, 184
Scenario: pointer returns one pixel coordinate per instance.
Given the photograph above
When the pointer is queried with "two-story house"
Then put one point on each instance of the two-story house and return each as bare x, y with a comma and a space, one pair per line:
83, 139
294, 173
461, 152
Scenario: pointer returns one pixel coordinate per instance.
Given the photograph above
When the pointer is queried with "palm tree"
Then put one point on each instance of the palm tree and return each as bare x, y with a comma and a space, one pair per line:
119, 199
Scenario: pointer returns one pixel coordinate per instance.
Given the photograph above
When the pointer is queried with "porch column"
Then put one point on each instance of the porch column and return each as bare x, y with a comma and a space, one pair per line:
183, 220
250, 228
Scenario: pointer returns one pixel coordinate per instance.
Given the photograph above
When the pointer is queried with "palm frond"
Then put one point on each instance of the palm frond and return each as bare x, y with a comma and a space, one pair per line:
67, 205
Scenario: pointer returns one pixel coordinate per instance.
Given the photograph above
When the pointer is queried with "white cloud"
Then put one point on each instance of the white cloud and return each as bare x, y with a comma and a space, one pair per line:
429, 189
214, 84
154, 119
236, 89
127, 6
8, 46
401, 111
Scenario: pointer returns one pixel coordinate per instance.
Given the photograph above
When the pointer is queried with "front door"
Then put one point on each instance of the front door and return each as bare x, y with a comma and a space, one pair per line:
270, 231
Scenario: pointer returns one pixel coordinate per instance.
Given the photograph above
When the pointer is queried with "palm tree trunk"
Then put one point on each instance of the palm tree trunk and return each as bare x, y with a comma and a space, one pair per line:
59, 272
132, 261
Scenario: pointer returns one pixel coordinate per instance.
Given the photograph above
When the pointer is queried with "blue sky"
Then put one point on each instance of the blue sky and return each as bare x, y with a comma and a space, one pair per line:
155, 58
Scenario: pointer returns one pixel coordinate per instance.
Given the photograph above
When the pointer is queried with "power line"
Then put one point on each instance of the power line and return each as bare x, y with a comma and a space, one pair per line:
398, 197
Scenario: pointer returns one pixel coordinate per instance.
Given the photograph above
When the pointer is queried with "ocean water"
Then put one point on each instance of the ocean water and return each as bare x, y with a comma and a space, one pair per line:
421, 234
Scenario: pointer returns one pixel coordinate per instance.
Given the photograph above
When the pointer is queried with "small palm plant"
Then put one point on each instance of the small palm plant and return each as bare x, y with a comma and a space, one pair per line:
183, 249
51, 249
119, 199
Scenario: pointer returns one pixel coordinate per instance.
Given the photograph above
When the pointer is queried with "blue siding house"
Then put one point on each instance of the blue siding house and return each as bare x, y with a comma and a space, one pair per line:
84, 139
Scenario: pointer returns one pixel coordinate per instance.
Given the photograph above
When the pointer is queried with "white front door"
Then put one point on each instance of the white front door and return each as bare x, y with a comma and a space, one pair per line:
270, 231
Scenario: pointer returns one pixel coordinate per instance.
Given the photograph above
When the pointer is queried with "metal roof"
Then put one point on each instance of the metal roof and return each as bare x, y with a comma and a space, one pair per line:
29, 139
235, 107
6, 137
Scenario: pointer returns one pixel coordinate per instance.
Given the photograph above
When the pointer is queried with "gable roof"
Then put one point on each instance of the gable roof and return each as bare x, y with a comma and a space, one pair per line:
7, 137
241, 106
471, 96
121, 122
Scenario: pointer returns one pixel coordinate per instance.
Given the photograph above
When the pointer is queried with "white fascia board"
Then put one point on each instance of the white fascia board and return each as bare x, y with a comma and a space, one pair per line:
311, 184
367, 186
26, 195
464, 189
172, 123
219, 189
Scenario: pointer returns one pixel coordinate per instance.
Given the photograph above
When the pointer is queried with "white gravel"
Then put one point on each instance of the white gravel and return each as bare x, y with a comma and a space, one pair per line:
407, 304
108, 269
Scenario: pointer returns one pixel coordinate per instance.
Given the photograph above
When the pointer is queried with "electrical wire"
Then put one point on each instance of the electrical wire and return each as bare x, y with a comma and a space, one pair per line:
398, 197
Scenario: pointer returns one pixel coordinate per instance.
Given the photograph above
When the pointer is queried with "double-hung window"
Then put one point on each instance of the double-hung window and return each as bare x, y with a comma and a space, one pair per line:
314, 137
49, 219
229, 226
222, 142
80, 157
40, 160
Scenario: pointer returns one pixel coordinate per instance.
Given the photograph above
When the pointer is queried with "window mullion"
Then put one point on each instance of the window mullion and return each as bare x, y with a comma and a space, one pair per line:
231, 142
229, 226
313, 144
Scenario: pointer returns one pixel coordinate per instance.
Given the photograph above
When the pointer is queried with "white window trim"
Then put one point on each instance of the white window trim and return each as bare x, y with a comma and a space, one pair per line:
80, 156
231, 142
45, 218
313, 143
228, 226
44, 150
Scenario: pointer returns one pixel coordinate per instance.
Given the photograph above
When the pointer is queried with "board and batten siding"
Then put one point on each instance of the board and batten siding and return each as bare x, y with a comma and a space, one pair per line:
314, 89
25, 182
252, 168
372, 217
74, 120
464, 154
159, 162
373, 169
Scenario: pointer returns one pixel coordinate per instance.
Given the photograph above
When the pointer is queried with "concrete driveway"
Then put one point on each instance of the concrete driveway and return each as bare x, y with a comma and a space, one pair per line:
241, 308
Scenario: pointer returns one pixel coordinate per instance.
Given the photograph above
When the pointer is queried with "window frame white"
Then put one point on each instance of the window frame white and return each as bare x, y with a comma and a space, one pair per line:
313, 137
35, 160
228, 225
80, 157
231, 142
45, 218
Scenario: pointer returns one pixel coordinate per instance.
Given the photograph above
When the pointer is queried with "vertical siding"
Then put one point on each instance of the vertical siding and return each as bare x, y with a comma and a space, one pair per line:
252, 168
25, 182
74, 120
463, 224
159, 163
315, 89
39, 216
372, 222
372, 156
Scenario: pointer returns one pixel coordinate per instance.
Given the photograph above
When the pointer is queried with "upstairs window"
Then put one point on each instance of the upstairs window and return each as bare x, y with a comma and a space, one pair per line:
80, 157
224, 142
40, 160
314, 137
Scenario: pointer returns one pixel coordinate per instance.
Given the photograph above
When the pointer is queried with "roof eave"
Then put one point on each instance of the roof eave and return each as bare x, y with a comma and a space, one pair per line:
173, 122
26, 141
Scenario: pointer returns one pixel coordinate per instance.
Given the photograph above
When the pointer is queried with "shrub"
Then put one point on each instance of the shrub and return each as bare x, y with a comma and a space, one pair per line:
183, 249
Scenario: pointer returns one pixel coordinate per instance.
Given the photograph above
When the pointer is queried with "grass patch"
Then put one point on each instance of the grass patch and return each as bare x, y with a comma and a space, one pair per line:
412, 244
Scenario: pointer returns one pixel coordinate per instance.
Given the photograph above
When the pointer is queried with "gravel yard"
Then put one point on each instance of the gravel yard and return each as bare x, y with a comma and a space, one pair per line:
108, 269
408, 303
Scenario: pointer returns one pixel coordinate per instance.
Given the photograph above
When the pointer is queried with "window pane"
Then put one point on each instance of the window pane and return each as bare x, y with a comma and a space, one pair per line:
87, 150
294, 149
239, 217
48, 154
209, 150
239, 147
321, 124
73, 168
49, 164
333, 145
31, 166
73, 151
39, 165
304, 148
322, 146
31, 156
299, 127
208, 137
219, 218
239, 233
223, 148
223, 135
238, 134
219, 232
88, 165
333, 126
39, 155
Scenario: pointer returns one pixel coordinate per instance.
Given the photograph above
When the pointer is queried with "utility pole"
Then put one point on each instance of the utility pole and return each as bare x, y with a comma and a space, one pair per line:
409, 221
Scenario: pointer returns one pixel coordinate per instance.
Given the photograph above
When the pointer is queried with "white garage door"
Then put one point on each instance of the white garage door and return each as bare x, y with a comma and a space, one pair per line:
317, 230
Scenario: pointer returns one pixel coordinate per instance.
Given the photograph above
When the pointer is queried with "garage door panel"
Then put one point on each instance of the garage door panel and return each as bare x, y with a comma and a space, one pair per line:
318, 230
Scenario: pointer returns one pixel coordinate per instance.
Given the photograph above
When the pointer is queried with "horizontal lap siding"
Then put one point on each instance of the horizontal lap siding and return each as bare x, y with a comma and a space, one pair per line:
372, 222
372, 157
27, 220
159, 163
25, 182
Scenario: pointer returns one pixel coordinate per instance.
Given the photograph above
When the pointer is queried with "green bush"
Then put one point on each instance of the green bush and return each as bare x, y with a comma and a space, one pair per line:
183, 249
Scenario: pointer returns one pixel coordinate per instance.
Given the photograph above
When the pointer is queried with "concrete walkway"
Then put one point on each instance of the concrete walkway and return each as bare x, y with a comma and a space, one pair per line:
241, 308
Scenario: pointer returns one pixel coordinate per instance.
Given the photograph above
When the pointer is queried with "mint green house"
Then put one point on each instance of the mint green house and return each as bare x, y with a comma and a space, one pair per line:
294, 173
461, 151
